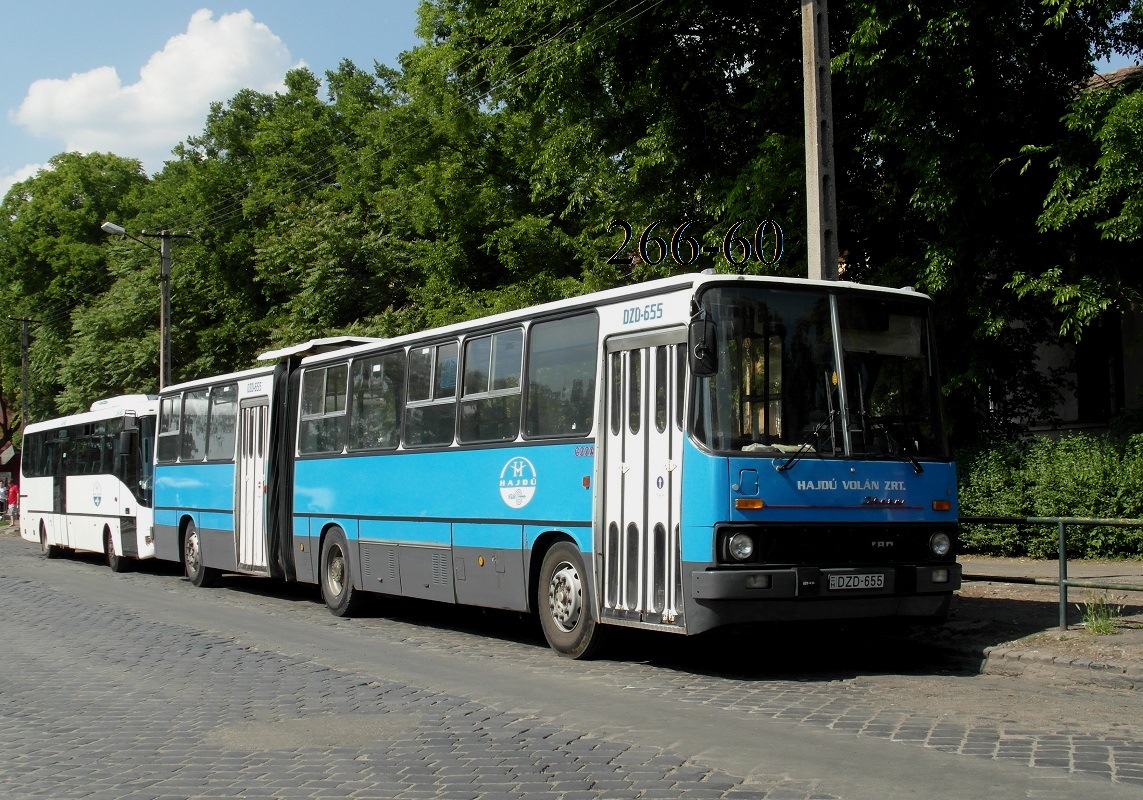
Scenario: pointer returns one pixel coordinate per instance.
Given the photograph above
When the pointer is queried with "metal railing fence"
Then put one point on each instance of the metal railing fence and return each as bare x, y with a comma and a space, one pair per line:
1061, 524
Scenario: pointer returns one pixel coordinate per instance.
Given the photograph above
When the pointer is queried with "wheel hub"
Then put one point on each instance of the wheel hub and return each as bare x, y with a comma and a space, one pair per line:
565, 595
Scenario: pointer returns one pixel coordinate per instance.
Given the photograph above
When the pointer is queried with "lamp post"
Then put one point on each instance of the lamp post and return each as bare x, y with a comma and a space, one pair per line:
164, 250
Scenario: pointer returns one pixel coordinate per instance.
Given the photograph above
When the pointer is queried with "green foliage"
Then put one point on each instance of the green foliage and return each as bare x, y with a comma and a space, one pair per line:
53, 258
1076, 476
1096, 204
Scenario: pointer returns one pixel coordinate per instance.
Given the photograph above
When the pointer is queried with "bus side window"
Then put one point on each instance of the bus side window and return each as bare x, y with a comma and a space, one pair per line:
168, 448
377, 402
561, 372
196, 410
430, 415
223, 422
490, 409
322, 426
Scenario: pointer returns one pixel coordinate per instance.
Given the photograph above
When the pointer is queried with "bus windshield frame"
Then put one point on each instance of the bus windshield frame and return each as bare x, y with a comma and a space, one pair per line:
818, 372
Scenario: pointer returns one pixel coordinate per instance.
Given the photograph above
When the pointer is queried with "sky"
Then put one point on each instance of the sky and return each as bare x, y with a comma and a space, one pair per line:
136, 77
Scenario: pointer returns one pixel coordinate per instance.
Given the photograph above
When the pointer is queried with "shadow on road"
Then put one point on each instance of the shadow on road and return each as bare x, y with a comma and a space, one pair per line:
802, 651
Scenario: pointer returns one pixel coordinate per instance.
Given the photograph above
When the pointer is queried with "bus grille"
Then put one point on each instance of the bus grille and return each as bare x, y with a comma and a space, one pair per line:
804, 545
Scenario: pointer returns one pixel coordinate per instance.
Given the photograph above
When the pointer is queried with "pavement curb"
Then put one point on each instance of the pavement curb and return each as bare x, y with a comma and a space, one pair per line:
1015, 662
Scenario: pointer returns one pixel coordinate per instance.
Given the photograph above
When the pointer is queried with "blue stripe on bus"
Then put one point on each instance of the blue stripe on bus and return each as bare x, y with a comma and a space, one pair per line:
199, 485
506, 484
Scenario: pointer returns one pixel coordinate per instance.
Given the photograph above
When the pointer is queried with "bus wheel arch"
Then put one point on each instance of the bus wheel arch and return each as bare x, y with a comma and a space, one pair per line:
48, 550
117, 563
335, 574
563, 598
190, 548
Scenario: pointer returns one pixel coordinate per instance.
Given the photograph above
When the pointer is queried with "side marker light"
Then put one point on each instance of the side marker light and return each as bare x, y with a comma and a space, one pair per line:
748, 503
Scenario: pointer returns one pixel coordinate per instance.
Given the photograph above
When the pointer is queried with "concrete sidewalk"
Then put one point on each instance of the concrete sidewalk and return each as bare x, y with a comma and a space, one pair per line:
1129, 572
1012, 627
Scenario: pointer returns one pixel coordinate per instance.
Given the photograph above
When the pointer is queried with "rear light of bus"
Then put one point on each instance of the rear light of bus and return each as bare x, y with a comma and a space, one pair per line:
942, 505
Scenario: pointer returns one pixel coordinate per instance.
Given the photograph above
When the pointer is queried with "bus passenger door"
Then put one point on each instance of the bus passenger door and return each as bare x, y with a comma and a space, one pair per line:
642, 441
250, 486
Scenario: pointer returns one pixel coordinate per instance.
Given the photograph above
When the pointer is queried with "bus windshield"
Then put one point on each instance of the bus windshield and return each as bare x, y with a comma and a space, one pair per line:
786, 384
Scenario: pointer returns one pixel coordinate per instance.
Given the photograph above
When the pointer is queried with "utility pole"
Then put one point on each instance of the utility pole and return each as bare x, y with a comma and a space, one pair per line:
164, 250
821, 206
24, 323
164, 237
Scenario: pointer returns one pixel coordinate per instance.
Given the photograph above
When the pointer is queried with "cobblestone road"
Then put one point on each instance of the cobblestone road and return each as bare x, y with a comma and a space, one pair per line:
141, 686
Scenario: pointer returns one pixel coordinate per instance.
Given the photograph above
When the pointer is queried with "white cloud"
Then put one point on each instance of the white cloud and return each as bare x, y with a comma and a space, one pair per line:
10, 179
95, 112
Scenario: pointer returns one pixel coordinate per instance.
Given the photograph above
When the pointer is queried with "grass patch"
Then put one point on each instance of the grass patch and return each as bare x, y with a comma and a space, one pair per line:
1099, 615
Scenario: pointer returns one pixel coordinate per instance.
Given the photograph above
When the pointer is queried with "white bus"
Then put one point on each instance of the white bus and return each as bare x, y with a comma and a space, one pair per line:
85, 482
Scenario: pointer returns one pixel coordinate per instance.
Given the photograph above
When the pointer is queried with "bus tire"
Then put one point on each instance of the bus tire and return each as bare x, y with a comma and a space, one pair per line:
117, 563
197, 572
336, 576
562, 604
49, 550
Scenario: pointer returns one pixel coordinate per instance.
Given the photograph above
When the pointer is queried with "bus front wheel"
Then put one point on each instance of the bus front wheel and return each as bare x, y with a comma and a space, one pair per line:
197, 572
561, 600
336, 578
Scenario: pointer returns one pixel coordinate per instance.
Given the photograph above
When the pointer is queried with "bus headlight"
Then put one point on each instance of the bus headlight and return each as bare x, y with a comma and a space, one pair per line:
741, 546
940, 543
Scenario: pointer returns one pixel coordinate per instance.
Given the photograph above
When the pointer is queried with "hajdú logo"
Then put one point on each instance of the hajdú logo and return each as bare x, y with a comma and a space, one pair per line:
518, 482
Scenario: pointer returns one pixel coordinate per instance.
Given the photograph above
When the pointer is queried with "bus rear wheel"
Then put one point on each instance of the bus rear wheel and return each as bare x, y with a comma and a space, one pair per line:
337, 578
562, 604
49, 550
197, 572
117, 563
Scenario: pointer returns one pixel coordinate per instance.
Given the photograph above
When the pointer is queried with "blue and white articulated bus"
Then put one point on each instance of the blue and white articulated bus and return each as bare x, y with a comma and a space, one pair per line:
85, 482
678, 455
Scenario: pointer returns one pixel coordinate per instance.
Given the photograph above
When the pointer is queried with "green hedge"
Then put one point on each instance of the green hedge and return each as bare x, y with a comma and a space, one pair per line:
1076, 476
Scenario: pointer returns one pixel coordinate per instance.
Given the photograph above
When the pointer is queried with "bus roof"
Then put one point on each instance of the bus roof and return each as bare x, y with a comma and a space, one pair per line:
112, 408
609, 296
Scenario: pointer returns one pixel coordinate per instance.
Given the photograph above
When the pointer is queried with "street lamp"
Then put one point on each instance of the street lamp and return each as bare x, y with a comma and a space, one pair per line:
164, 252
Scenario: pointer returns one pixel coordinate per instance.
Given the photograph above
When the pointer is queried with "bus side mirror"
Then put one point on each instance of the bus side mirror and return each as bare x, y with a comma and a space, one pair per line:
701, 354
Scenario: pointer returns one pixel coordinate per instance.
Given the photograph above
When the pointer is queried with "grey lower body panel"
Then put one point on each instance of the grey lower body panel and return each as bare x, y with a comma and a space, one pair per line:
167, 545
476, 576
217, 546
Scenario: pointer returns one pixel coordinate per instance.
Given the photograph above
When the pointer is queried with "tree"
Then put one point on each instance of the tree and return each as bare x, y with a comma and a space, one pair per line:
1095, 204
53, 262
683, 110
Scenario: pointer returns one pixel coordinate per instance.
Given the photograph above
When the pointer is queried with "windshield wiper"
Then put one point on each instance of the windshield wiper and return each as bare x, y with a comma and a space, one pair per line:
896, 449
806, 444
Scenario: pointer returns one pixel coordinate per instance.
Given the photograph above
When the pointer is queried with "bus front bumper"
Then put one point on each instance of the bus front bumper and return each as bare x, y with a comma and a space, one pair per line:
814, 582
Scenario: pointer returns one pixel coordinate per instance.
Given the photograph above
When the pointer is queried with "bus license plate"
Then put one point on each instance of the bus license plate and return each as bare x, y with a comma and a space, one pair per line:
874, 580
